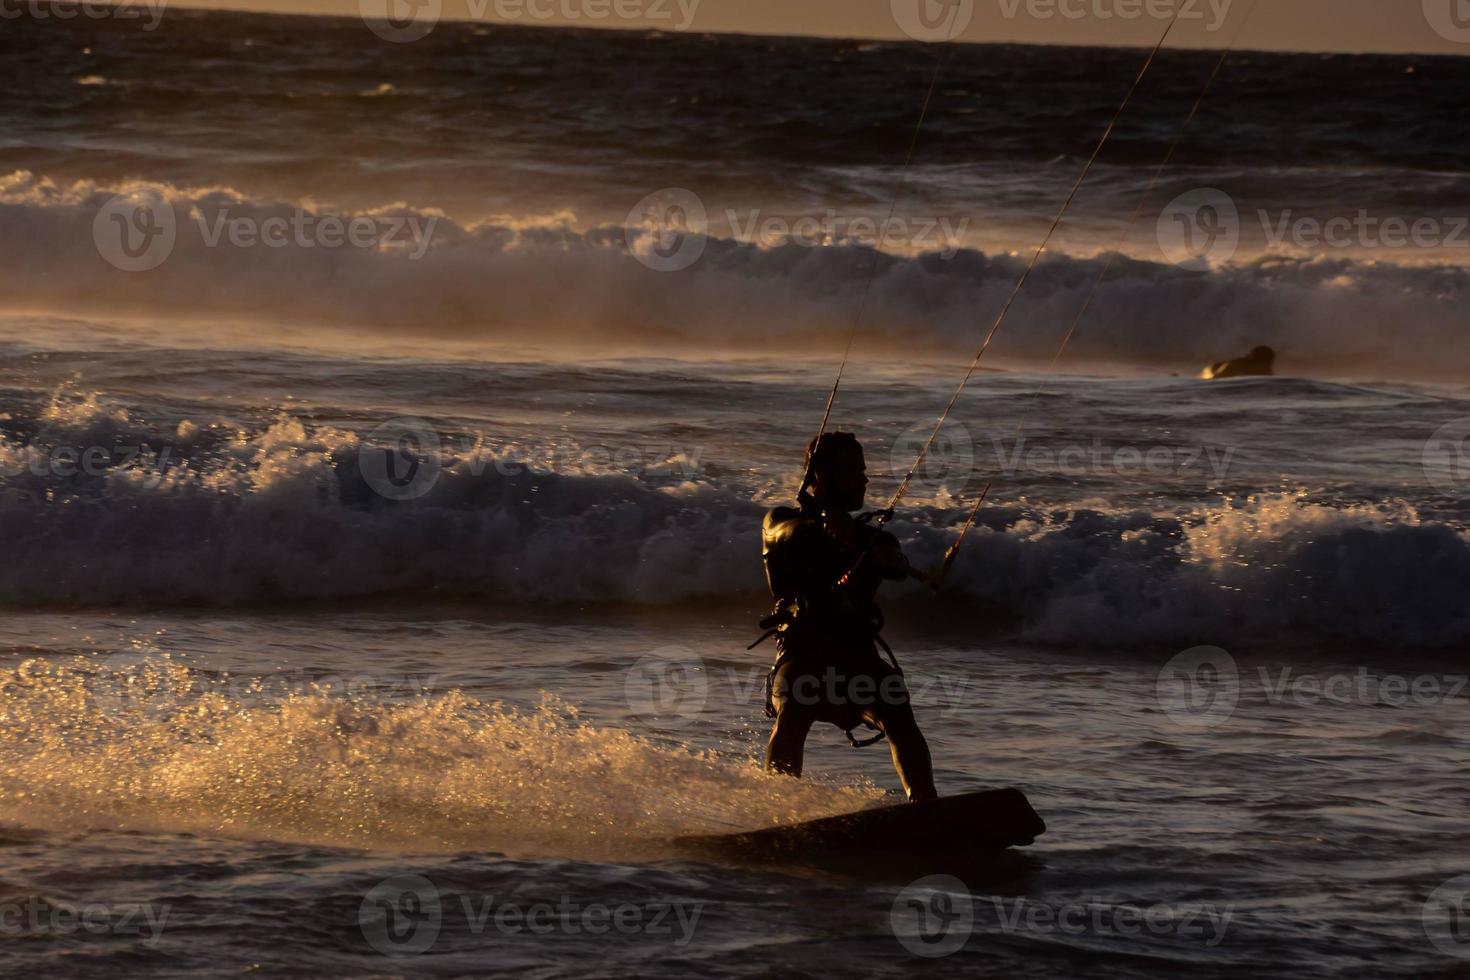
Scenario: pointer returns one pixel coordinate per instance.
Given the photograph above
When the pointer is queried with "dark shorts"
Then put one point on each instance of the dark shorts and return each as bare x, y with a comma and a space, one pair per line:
845, 692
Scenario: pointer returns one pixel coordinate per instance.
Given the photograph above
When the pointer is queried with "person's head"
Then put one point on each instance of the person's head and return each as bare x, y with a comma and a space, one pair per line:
838, 470
1265, 355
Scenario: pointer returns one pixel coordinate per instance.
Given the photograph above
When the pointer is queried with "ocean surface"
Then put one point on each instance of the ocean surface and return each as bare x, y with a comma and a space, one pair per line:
383, 610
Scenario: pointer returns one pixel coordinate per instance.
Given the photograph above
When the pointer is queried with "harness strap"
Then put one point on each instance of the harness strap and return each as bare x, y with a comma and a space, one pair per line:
771, 683
864, 743
888, 650
770, 710
858, 743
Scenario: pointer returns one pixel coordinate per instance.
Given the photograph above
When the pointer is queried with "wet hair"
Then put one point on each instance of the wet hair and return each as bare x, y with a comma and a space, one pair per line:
829, 447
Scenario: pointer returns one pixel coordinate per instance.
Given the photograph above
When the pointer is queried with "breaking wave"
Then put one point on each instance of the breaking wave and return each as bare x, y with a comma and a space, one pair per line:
1271, 566
292, 511
507, 279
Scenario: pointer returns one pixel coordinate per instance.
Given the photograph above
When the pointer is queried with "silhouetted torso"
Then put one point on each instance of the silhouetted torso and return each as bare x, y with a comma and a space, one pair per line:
805, 561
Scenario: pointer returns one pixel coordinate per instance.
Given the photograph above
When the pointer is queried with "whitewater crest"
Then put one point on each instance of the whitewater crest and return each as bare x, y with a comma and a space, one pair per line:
215, 513
504, 278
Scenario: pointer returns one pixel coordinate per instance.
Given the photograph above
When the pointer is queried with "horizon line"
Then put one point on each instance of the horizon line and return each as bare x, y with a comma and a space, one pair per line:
874, 38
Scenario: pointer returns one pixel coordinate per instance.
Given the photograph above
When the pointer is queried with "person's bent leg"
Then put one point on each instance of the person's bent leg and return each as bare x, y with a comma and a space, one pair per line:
909, 748
794, 720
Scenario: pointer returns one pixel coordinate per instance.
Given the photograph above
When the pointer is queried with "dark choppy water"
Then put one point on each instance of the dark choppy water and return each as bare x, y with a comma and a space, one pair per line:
506, 163
282, 694
467, 698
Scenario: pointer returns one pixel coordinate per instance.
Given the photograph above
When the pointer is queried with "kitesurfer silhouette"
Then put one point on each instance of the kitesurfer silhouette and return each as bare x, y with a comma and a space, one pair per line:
824, 567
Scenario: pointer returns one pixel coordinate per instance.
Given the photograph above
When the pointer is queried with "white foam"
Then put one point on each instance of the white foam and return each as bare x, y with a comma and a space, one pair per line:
284, 512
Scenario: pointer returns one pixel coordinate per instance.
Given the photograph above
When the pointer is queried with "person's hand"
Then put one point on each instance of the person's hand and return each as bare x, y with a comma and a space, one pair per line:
932, 579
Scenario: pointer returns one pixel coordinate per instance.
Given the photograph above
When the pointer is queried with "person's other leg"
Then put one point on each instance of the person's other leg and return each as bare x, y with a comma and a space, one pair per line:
893, 715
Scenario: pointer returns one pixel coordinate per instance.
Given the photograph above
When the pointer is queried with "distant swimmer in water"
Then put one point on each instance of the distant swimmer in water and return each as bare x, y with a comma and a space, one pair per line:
1260, 362
824, 567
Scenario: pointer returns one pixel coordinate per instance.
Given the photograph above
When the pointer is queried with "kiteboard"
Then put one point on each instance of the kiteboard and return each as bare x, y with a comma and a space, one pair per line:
989, 820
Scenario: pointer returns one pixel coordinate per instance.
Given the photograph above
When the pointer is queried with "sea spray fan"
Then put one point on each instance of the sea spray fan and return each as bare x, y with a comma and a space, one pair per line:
151, 744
